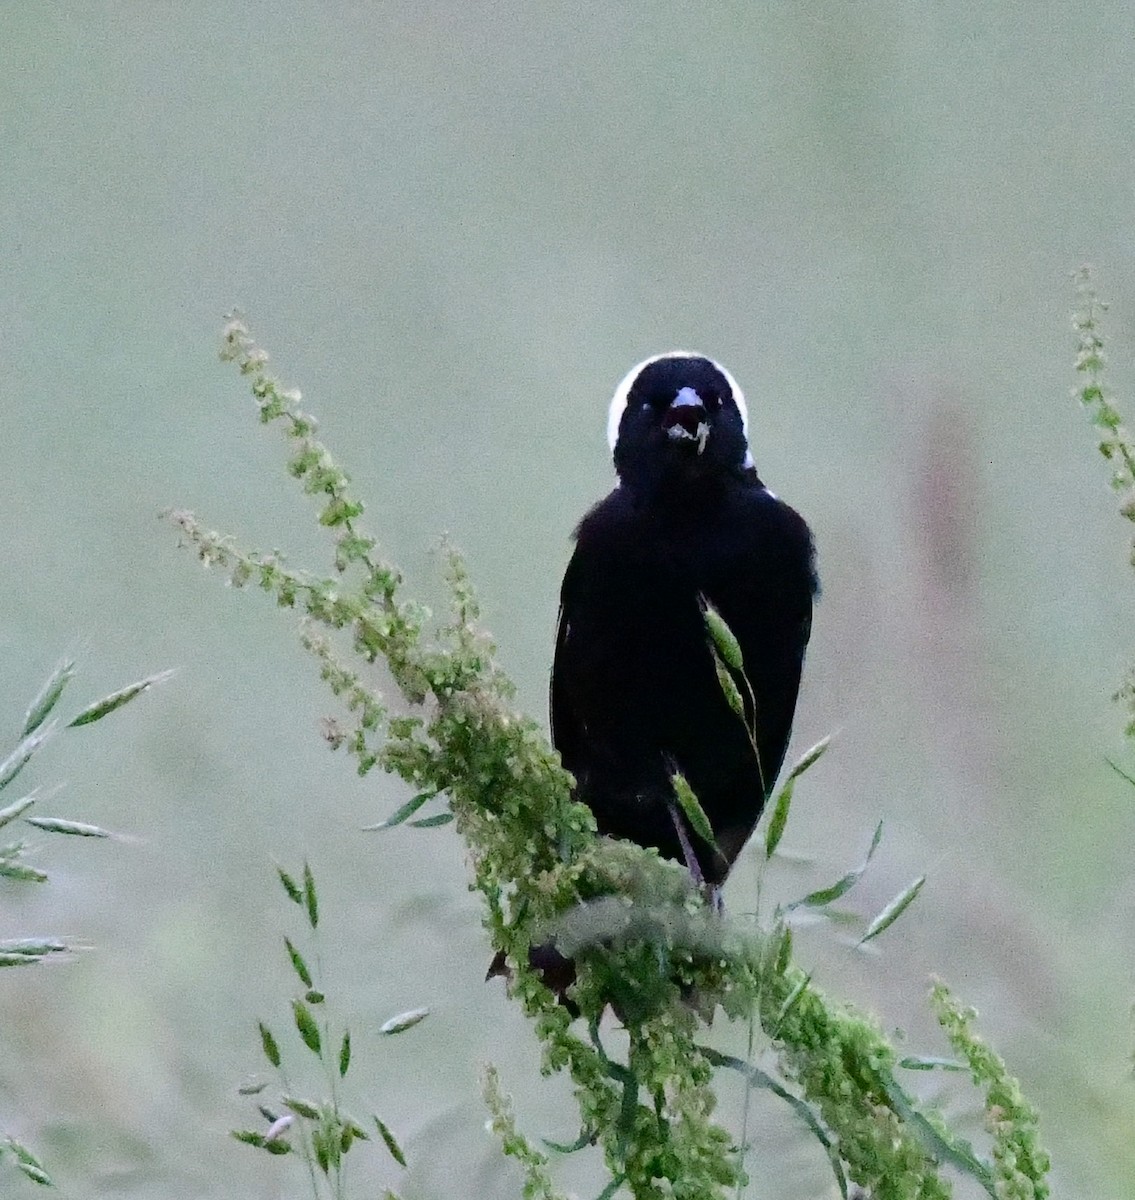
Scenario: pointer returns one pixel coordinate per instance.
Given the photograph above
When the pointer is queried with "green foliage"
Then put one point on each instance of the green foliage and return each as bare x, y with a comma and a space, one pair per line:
322, 1132
644, 941
1020, 1163
37, 731
1115, 442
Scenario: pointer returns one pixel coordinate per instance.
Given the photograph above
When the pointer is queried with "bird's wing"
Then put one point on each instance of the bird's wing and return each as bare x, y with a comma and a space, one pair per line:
769, 609
567, 728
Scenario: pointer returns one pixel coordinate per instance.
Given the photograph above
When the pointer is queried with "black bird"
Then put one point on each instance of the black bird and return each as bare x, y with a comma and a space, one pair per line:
635, 694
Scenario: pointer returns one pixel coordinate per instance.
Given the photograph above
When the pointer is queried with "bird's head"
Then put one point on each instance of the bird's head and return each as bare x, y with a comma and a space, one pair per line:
678, 416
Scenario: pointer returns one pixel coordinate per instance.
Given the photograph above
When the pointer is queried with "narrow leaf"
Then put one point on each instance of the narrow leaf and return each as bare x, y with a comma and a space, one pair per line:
40, 708
586, 1138
391, 1142
922, 1062
791, 999
271, 1047
15, 870
108, 704
724, 640
609, 1192
809, 757
404, 1021
302, 1108
695, 814
35, 1173
322, 1150
290, 886
762, 1079
23, 1153
894, 910
250, 1137
955, 1151
434, 821
74, 828
402, 814
14, 810
37, 947
783, 951
842, 886
298, 963
14, 763
19, 960
729, 687
779, 818
308, 1029
345, 1053
310, 899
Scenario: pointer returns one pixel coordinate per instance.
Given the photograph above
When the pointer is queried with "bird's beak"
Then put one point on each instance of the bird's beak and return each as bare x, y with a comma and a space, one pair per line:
686, 419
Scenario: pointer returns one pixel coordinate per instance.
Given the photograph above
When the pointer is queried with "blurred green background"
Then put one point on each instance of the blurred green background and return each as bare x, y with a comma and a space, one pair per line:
457, 226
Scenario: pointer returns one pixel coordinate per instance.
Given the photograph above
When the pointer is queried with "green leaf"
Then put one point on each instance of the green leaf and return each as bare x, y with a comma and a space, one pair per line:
74, 828
586, 1138
9, 814
15, 762
941, 1147
894, 910
724, 640
391, 1142
271, 1047
108, 704
404, 1021
290, 886
15, 870
608, 1193
729, 687
345, 1053
302, 1108
35, 1173
841, 886
402, 814
783, 949
434, 821
791, 999
351, 1130
310, 899
809, 757
762, 1079
308, 1029
298, 963
922, 1062
36, 947
695, 814
40, 708
779, 818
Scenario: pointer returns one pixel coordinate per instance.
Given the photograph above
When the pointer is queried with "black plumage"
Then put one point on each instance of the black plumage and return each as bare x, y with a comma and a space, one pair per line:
634, 690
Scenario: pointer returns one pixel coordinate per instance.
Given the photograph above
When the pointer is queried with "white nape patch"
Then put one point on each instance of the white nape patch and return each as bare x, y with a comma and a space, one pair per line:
619, 400
748, 464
